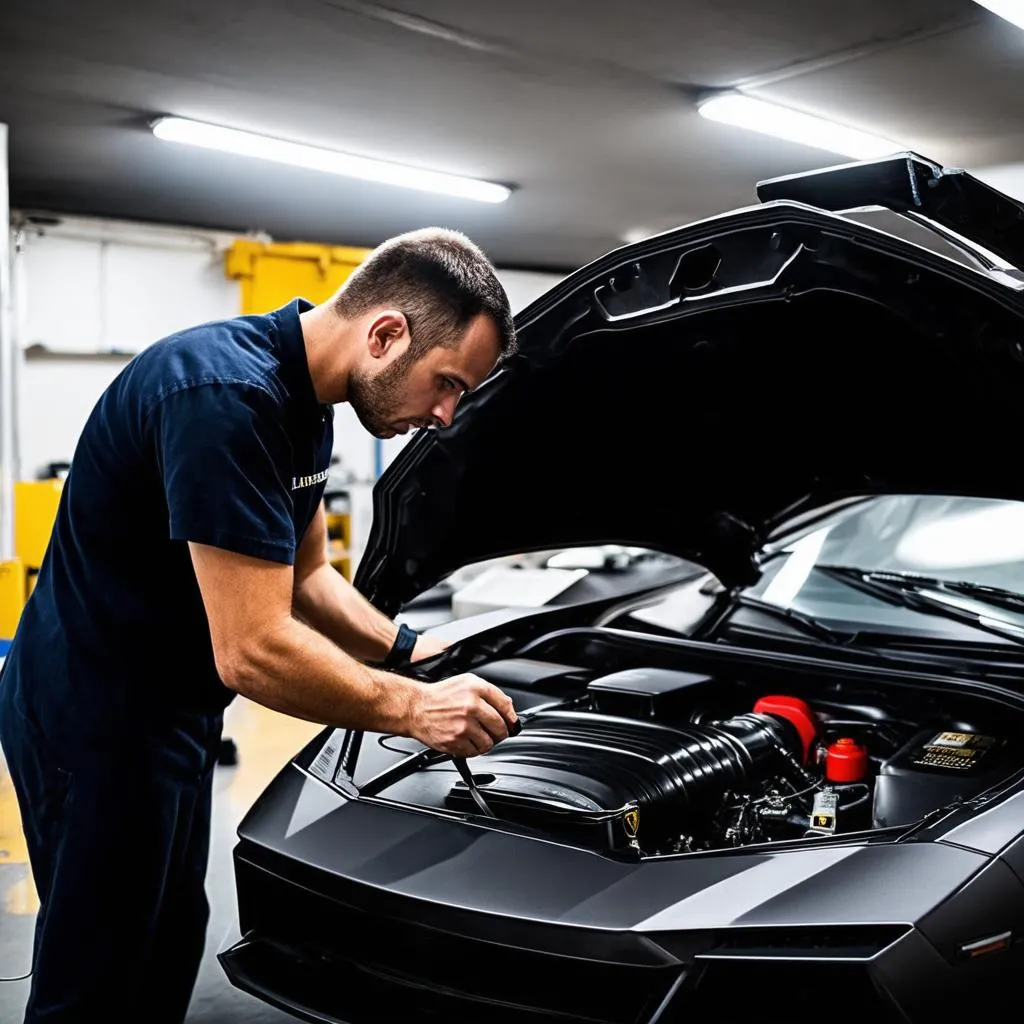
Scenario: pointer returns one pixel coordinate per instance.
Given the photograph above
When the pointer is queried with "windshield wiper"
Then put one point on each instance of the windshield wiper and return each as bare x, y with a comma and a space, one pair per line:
924, 594
997, 597
798, 620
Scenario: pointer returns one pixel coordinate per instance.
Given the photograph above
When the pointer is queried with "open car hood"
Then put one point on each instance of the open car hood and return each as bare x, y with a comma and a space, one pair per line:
694, 391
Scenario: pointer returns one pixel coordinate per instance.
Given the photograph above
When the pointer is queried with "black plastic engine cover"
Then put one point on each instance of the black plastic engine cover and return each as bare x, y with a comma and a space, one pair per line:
608, 781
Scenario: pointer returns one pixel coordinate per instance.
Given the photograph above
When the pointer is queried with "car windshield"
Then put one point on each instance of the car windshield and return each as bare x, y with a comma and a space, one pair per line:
853, 569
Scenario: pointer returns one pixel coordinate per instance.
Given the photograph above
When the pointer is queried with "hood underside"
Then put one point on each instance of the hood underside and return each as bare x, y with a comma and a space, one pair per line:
692, 392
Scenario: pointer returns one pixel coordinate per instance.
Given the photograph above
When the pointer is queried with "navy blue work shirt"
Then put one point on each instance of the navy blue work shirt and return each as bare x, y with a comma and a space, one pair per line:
215, 435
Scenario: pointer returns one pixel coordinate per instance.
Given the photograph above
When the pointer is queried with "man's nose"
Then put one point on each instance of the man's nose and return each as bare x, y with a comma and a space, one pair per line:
445, 410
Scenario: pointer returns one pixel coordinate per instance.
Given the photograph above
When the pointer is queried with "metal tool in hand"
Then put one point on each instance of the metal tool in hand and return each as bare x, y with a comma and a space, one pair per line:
467, 776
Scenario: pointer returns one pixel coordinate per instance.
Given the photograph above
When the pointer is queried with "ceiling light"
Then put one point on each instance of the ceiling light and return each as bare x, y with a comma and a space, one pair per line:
231, 140
783, 123
1011, 10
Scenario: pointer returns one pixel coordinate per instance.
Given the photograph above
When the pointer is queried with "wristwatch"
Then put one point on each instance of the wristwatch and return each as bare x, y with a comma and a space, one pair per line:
401, 650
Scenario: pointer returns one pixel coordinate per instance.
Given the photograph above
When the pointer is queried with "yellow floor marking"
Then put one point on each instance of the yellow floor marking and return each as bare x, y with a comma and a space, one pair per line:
12, 840
21, 897
266, 742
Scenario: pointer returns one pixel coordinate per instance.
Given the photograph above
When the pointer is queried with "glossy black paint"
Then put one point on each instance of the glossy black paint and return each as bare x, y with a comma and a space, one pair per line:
884, 917
307, 857
356, 907
902, 344
910, 184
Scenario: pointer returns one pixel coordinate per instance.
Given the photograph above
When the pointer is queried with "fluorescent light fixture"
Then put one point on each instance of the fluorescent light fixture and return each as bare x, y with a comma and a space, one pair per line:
743, 111
1011, 10
314, 158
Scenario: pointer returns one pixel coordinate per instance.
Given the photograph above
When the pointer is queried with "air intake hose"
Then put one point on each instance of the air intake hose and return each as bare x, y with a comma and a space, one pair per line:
675, 774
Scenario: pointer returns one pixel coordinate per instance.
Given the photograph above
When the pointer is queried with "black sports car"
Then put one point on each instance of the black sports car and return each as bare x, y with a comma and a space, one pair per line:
789, 783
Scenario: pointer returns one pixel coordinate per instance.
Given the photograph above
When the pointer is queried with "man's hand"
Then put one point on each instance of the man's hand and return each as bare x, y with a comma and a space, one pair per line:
427, 647
262, 651
463, 716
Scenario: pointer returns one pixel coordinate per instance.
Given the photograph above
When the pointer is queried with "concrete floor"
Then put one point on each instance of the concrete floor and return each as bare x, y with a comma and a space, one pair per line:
265, 741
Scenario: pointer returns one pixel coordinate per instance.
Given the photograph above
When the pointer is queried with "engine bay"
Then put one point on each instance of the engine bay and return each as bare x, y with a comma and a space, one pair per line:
651, 761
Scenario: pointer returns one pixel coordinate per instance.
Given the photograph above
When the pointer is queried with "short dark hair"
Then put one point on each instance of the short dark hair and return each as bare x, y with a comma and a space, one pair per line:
439, 279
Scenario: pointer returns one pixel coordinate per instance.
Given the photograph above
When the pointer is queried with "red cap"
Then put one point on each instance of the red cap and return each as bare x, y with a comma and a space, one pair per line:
796, 711
846, 760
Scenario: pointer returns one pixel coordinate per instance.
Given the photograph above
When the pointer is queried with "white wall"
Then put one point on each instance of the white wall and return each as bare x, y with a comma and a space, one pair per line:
86, 285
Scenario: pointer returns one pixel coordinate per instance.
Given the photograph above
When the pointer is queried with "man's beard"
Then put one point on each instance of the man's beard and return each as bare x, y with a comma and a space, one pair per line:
375, 400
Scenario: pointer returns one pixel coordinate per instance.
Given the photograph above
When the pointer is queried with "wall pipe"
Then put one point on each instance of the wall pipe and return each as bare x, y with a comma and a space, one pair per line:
7, 357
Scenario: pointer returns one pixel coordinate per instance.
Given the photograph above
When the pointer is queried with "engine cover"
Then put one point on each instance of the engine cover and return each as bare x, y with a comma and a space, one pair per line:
611, 782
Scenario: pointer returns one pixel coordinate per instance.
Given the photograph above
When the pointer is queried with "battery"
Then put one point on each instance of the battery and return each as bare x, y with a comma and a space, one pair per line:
936, 767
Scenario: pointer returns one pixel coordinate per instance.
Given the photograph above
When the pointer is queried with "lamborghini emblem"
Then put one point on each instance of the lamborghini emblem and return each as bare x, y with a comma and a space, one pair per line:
631, 822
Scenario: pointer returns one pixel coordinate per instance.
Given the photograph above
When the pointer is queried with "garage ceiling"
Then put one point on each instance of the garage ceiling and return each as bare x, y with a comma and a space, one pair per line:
585, 106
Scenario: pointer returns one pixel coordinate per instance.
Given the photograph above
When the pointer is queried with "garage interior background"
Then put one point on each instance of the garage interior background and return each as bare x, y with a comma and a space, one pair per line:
88, 293
588, 107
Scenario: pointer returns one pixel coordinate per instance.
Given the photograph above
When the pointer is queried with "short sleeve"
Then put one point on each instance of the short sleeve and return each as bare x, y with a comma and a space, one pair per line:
224, 456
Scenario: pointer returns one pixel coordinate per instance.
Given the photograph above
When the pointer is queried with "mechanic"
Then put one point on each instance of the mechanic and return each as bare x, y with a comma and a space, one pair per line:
188, 563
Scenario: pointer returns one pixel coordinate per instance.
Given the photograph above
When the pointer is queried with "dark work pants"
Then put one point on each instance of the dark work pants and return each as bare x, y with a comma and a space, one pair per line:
117, 828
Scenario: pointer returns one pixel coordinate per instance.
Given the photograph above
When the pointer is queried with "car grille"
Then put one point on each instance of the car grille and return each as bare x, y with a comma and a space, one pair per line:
328, 960
806, 994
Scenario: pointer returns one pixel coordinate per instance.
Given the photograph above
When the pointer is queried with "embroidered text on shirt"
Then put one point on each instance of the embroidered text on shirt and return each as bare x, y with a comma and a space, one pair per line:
298, 482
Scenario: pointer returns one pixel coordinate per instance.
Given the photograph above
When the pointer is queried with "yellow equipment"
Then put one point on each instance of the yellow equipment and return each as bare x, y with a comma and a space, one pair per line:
273, 273
12, 599
338, 508
35, 509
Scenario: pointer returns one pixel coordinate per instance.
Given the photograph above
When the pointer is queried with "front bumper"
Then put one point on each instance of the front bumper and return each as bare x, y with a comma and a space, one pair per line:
356, 954
353, 955
356, 912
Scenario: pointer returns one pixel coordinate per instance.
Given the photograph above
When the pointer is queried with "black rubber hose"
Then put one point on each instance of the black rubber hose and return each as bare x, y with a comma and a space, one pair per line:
672, 773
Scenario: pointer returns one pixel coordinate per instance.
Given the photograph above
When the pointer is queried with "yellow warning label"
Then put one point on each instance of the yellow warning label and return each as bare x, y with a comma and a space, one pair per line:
960, 751
953, 739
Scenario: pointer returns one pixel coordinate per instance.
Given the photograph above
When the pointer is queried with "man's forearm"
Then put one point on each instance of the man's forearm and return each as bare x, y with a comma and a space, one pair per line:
301, 673
333, 607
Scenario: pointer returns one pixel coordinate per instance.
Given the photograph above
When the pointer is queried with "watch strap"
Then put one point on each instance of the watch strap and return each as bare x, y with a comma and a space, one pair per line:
401, 650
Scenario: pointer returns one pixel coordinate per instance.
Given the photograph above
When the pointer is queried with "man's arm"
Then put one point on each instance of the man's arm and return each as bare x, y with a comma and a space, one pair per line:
263, 652
220, 447
325, 600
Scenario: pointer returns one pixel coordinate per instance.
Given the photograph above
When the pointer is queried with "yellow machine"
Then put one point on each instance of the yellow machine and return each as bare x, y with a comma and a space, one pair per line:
12, 599
273, 273
338, 507
35, 509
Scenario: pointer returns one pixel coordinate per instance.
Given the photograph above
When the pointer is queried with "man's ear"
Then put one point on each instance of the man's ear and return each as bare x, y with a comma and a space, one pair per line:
386, 329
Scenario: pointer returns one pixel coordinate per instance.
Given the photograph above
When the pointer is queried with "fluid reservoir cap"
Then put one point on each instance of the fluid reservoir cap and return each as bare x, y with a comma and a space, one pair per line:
846, 760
